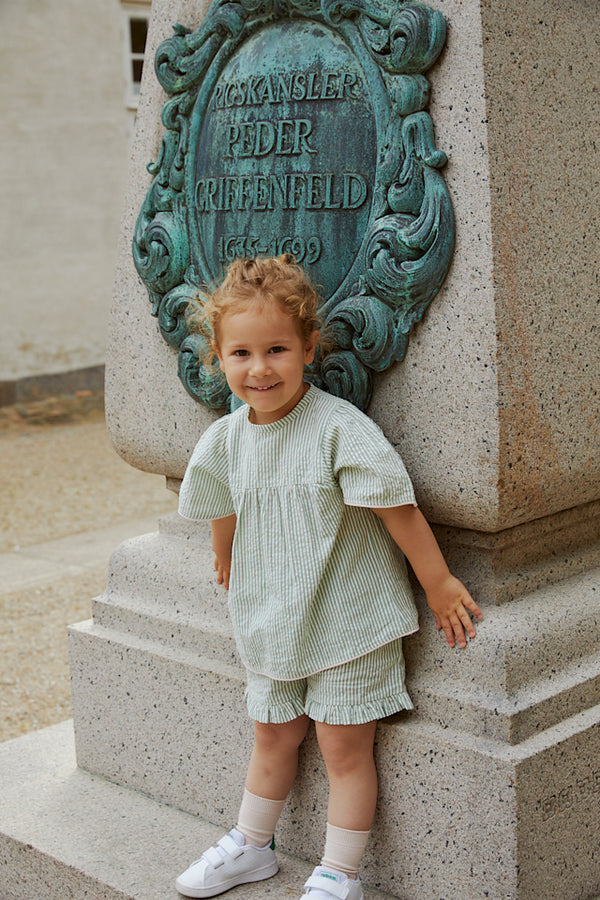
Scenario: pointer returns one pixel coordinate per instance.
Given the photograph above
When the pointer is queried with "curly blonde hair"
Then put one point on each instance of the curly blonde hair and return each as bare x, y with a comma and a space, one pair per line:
262, 281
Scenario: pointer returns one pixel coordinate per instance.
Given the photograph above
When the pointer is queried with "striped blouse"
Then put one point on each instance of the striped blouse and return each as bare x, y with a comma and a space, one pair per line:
316, 580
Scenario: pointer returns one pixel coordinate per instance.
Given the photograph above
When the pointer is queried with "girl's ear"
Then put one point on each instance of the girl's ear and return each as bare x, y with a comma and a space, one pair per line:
310, 347
217, 351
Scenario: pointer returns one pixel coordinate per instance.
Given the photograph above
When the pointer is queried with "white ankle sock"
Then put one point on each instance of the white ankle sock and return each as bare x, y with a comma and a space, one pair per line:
258, 818
344, 850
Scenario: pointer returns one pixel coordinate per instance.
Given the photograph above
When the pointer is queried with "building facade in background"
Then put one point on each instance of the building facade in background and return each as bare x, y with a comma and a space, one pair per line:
69, 81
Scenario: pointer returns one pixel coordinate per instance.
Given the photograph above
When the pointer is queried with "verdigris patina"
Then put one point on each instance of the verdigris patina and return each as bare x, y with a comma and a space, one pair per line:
300, 126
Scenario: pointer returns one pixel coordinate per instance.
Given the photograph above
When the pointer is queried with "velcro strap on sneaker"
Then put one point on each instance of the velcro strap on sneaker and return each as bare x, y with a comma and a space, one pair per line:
332, 887
230, 847
213, 857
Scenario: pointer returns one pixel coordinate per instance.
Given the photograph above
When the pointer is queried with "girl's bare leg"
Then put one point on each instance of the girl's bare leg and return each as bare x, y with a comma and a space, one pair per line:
348, 755
274, 761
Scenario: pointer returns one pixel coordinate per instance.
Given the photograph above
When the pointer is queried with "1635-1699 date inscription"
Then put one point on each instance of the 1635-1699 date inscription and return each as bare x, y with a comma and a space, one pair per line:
306, 250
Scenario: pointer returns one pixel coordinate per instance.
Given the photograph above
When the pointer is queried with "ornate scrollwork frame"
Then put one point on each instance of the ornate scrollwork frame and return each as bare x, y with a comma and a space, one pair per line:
409, 242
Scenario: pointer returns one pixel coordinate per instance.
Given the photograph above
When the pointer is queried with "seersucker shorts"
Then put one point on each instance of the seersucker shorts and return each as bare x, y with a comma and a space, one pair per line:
362, 690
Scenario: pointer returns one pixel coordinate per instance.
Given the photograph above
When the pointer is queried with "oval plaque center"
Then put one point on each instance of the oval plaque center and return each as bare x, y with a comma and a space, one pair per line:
286, 154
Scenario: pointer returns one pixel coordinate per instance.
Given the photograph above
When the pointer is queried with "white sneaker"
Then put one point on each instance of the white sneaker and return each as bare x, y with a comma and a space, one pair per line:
327, 884
230, 863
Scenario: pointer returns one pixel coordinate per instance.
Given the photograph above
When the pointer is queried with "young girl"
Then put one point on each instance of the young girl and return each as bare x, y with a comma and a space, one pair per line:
309, 505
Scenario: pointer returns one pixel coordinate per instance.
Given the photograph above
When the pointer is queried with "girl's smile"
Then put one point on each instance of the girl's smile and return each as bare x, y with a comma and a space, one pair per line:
263, 354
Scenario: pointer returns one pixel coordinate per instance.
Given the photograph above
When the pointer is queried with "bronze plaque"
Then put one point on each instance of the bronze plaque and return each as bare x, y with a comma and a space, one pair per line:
301, 126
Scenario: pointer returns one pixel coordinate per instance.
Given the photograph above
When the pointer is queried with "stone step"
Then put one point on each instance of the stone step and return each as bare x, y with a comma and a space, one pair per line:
161, 588
69, 835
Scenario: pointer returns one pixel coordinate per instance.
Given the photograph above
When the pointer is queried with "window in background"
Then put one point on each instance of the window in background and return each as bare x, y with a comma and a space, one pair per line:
136, 16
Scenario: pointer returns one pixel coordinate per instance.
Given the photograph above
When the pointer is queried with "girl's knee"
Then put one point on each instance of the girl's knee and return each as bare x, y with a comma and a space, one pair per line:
346, 747
278, 738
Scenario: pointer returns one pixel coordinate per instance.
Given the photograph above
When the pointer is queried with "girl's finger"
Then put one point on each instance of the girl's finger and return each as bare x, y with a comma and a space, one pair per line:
459, 632
467, 623
470, 604
449, 632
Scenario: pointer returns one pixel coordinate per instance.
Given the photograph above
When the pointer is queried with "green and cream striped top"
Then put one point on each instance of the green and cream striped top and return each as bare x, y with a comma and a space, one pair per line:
316, 580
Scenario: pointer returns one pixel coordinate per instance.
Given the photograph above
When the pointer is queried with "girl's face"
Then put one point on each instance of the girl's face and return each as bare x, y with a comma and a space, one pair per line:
263, 354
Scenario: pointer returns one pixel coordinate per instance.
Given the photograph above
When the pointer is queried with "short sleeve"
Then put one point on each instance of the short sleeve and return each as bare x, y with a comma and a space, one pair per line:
367, 468
205, 492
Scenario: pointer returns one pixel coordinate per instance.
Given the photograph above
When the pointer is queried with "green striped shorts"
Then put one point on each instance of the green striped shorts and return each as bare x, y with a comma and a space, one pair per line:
362, 690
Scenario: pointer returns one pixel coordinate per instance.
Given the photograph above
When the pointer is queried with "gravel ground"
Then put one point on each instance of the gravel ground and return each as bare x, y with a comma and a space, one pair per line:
60, 477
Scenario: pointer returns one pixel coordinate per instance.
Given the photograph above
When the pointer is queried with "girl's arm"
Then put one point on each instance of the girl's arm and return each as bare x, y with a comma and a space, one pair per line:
448, 598
222, 542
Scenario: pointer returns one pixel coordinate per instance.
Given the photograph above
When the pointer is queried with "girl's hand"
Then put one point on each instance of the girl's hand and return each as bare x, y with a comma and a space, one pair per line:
223, 531
223, 569
450, 603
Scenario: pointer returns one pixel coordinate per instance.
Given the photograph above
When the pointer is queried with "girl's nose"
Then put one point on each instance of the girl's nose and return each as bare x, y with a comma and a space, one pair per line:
260, 365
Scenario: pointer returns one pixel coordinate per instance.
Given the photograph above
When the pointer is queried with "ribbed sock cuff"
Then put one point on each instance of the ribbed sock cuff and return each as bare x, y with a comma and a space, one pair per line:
258, 817
344, 849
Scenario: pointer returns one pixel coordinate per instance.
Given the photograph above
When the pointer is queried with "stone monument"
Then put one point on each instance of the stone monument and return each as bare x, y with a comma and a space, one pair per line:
490, 788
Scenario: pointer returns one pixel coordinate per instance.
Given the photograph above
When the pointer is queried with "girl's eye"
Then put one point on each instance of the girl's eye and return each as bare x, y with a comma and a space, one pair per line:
240, 352
277, 349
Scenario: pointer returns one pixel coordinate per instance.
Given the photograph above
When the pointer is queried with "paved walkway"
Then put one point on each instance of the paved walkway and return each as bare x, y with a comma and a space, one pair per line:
67, 501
